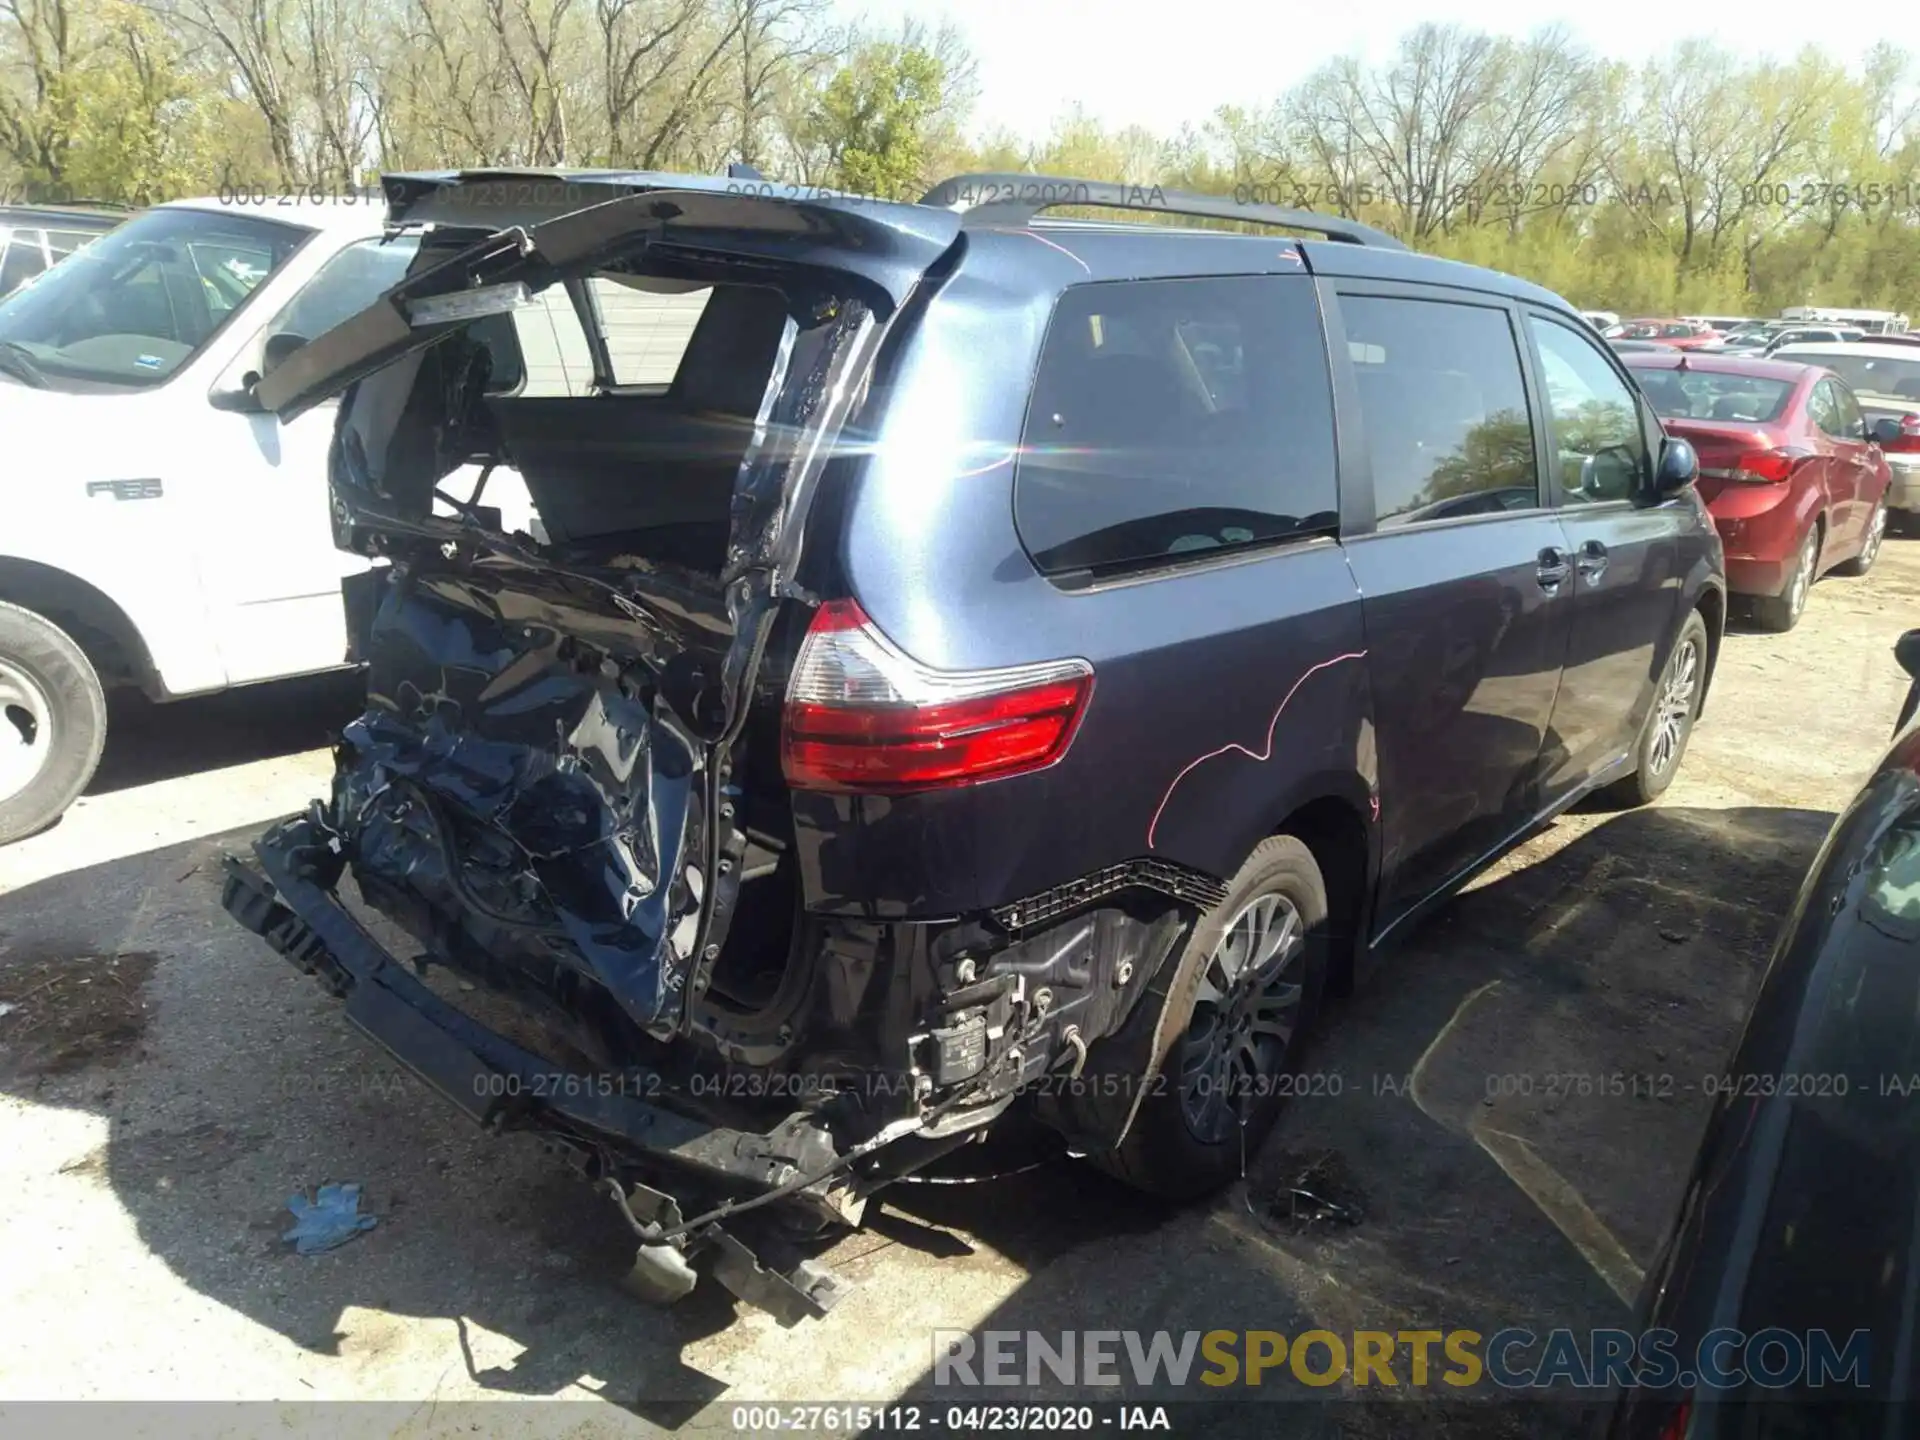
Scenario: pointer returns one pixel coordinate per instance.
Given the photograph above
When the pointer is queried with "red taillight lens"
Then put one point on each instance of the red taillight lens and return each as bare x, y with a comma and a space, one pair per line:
1909, 440
1767, 467
1676, 1426
861, 715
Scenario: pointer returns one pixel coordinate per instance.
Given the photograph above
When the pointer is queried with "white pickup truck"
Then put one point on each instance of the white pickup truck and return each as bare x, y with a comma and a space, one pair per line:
158, 528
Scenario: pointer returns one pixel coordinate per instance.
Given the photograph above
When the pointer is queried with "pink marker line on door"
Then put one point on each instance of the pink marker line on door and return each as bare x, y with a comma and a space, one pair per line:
1261, 758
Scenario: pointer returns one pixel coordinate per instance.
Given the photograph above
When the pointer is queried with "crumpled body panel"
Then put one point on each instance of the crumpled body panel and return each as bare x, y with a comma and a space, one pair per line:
509, 773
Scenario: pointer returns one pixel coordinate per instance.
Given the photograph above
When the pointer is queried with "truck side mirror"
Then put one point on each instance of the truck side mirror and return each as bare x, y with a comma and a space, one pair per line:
279, 346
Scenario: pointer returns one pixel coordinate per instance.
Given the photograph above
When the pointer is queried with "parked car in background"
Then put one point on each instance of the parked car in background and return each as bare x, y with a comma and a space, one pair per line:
1751, 338
1799, 1217
1810, 335
163, 531
1070, 701
1680, 334
35, 238
1721, 323
1873, 322
1641, 347
1601, 320
1885, 377
1796, 483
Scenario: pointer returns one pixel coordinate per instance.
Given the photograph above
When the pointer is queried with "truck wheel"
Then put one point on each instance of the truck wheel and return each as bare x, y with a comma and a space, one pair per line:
1240, 1001
53, 722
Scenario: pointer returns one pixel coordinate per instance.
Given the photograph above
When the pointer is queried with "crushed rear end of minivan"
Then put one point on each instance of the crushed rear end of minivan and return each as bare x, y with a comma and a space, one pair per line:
567, 809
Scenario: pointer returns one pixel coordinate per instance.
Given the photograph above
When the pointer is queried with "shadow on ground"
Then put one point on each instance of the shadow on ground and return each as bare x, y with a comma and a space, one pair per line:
148, 742
1630, 951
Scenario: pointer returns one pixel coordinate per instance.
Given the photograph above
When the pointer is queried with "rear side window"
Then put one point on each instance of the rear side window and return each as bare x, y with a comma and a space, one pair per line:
1444, 409
64, 242
22, 259
347, 284
1835, 411
1594, 419
647, 333
1710, 394
1173, 418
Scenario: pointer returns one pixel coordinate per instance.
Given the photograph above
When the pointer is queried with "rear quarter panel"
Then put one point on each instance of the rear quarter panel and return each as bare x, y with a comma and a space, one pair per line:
1225, 693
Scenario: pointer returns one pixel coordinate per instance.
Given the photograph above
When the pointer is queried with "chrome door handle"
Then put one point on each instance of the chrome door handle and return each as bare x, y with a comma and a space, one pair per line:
1553, 569
1593, 561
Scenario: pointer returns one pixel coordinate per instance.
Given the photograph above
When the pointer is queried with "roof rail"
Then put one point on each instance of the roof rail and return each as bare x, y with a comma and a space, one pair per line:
1013, 198
113, 205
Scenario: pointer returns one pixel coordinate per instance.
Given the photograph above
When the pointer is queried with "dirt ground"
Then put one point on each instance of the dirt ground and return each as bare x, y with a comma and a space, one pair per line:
166, 1085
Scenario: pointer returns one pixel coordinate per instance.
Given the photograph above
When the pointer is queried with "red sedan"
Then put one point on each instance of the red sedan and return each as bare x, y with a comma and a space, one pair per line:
1796, 484
1681, 334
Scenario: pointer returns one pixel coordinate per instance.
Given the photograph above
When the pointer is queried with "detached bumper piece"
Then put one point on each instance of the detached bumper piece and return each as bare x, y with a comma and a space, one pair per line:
289, 903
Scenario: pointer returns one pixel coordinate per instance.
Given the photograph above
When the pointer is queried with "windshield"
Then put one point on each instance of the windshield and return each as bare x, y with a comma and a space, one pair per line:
1706, 395
1868, 374
139, 302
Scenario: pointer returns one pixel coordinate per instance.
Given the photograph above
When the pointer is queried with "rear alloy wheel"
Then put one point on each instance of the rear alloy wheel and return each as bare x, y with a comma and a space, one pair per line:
1245, 1012
1783, 611
53, 722
1242, 995
1870, 546
1676, 704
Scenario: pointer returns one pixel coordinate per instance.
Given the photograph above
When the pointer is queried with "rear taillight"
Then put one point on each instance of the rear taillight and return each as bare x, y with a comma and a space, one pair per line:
1767, 467
861, 715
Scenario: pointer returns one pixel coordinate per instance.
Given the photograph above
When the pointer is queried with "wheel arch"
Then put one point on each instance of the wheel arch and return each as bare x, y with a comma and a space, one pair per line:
1711, 604
1337, 827
102, 630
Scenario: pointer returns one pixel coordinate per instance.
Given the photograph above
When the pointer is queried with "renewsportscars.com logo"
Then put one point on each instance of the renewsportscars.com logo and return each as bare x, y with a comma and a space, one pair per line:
1513, 1359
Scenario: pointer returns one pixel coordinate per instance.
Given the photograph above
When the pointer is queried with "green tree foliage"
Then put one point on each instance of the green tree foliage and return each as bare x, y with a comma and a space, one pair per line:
1692, 182
871, 119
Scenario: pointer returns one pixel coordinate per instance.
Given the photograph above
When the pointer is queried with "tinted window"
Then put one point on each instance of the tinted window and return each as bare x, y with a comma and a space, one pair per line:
1171, 417
1824, 408
22, 261
1712, 395
346, 285
1836, 412
1870, 374
1594, 416
647, 331
1853, 425
1444, 409
64, 242
140, 301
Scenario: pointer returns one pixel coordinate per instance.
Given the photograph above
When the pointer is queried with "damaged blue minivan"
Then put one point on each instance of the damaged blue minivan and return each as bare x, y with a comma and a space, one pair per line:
977, 660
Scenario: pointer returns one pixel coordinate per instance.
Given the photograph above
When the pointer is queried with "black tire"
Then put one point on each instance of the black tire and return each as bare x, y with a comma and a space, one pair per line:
42, 668
1870, 546
1654, 765
1163, 1153
1780, 613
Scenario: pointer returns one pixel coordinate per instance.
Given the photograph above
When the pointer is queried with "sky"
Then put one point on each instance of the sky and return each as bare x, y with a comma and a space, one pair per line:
1164, 63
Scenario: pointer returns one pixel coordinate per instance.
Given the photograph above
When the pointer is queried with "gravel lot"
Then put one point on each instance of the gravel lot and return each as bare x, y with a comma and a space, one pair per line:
166, 1084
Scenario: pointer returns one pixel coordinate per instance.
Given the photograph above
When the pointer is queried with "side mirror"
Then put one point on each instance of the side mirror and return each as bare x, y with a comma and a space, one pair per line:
1884, 431
278, 347
1679, 467
239, 399
1907, 651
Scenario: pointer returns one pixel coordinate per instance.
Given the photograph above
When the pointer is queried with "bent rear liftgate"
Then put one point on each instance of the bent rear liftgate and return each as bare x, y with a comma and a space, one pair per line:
563, 784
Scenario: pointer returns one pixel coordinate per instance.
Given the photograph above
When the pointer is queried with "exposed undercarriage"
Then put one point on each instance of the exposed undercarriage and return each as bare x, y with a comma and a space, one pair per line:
740, 1074
567, 788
